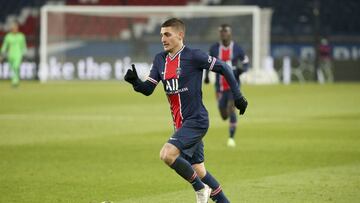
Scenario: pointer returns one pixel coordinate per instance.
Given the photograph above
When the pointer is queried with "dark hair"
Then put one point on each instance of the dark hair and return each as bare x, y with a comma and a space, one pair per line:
225, 27
176, 23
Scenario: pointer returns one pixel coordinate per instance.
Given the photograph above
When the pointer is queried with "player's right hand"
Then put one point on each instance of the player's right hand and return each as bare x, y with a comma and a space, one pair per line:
131, 75
241, 104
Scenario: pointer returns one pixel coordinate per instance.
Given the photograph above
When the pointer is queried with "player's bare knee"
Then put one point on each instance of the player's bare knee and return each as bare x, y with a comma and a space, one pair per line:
168, 158
163, 153
169, 153
200, 169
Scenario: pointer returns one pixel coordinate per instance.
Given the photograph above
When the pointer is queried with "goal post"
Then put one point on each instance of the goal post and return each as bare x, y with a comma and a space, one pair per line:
99, 42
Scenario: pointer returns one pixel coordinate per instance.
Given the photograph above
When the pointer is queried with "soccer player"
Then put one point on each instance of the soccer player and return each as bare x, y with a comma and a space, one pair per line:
180, 69
15, 47
325, 64
231, 53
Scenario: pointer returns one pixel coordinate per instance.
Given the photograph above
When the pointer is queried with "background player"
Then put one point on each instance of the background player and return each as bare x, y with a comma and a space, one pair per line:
231, 53
325, 60
14, 47
181, 69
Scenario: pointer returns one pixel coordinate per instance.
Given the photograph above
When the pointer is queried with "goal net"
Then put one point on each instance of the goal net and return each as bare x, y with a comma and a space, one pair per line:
101, 42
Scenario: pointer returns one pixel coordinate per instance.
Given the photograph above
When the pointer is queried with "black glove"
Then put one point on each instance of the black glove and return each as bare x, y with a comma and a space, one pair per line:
131, 75
241, 104
206, 80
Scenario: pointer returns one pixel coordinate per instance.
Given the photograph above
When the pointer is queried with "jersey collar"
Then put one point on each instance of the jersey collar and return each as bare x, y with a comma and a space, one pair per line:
224, 47
177, 53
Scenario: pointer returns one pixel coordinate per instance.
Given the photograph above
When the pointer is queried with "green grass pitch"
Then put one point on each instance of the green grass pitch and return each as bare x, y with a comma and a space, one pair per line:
95, 141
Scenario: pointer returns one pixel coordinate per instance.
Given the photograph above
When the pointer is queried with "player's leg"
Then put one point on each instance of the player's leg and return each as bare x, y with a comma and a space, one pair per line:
222, 99
11, 61
15, 62
217, 195
328, 70
195, 160
232, 123
189, 140
184, 142
170, 155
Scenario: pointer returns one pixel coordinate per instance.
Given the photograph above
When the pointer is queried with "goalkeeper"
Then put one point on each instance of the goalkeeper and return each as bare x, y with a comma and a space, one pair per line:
14, 47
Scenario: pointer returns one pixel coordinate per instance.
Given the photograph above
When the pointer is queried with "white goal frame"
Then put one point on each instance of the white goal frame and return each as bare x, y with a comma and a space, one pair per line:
178, 11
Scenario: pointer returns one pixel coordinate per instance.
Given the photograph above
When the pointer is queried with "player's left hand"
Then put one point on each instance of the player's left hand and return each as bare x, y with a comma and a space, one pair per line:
241, 104
131, 75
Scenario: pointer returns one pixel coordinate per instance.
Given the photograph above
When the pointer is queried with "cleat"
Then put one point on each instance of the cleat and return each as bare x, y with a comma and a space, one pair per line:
203, 195
231, 142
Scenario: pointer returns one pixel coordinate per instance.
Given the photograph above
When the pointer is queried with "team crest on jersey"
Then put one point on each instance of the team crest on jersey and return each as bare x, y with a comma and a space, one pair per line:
178, 71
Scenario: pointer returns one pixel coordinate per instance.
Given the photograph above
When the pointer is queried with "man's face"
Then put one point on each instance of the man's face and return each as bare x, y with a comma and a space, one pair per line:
225, 34
14, 27
171, 38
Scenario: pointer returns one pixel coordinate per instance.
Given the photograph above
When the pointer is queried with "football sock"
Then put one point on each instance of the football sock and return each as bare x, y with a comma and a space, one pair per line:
184, 169
233, 123
217, 195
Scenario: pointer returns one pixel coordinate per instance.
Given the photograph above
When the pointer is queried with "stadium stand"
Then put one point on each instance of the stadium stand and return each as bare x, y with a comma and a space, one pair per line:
289, 18
290, 21
296, 17
27, 14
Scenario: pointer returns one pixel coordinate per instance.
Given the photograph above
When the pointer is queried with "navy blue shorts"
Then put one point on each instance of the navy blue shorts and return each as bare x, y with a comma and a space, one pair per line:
224, 99
189, 141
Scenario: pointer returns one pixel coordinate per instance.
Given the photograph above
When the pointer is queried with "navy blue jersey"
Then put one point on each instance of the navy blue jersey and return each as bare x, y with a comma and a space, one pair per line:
233, 55
181, 76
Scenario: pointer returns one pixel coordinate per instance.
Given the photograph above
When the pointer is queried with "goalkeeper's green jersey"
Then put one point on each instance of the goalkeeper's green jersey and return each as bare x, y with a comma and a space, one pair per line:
14, 44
